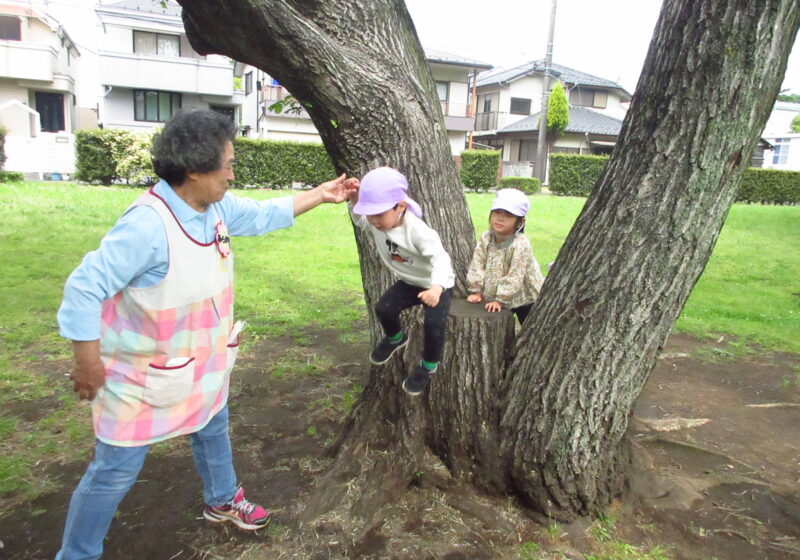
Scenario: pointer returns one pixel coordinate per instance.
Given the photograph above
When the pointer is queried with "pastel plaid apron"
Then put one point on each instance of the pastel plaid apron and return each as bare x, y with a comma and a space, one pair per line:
166, 347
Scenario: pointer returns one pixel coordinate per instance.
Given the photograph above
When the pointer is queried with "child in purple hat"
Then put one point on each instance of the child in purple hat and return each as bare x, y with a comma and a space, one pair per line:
414, 253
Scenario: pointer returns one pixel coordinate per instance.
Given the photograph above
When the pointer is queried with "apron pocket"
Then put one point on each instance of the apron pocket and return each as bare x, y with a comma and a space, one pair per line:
170, 384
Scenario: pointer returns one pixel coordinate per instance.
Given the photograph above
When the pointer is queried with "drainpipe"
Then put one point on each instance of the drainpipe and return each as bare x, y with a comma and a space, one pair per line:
473, 101
101, 106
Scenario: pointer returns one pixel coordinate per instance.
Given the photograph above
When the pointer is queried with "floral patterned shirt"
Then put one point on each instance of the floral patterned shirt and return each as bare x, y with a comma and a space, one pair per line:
505, 271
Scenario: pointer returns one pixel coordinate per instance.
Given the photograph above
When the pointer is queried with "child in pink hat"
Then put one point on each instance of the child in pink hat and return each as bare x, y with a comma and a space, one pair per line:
414, 253
503, 272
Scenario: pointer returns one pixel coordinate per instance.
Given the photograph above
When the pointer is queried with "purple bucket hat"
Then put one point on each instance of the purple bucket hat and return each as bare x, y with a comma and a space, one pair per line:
380, 190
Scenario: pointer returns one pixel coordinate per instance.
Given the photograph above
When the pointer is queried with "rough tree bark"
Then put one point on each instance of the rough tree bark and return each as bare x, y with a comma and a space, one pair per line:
551, 426
639, 245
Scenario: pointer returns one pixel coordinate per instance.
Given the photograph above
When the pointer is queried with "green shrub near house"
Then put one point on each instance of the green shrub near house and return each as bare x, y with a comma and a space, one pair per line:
277, 164
575, 175
9, 176
479, 169
769, 186
528, 185
101, 156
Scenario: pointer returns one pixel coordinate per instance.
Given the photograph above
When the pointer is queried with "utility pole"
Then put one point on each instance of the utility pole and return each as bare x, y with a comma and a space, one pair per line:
541, 152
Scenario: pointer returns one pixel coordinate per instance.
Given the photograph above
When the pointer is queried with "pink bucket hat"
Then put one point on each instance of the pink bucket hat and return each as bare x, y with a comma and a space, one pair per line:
380, 190
513, 201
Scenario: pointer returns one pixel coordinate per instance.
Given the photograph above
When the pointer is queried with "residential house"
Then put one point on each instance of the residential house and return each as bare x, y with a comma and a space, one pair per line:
148, 70
451, 72
509, 102
38, 67
784, 152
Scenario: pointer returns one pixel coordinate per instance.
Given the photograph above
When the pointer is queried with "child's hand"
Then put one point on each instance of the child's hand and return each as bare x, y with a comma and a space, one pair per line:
493, 306
475, 298
430, 297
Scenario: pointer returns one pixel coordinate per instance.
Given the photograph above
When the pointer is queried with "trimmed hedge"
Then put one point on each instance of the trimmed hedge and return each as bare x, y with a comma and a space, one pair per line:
98, 153
575, 175
110, 156
277, 164
769, 186
479, 168
8, 176
528, 185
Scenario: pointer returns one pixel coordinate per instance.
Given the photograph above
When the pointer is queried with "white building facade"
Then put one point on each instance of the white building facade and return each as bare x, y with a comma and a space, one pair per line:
785, 151
38, 75
509, 102
451, 72
148, 70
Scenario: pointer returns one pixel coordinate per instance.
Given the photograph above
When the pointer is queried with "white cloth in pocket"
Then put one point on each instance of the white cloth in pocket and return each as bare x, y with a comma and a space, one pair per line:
233, 345
169, 384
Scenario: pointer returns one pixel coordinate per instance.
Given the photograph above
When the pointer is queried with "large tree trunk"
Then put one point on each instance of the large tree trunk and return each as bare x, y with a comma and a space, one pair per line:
639, 246
551, 426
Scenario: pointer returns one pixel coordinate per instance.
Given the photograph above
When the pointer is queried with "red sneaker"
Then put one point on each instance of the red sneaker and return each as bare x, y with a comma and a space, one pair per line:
244, 514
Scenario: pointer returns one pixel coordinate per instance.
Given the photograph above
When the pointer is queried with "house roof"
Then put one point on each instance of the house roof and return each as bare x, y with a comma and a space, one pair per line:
433, 55
172, 8
563, 73
581, 120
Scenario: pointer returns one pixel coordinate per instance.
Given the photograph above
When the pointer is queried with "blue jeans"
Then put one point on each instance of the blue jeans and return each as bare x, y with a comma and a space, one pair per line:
114, 470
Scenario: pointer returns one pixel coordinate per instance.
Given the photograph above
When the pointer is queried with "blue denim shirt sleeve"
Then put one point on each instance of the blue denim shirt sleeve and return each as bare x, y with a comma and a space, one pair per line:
134, 246
246, 217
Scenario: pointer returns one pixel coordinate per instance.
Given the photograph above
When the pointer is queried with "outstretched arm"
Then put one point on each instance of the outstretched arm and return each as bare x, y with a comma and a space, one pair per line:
335, 191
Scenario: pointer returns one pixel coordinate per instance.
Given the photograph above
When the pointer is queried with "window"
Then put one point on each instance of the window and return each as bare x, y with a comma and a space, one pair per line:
51, 110
781, 153
248, 83
9, 28
441, 90
156, 43
527, 150
155, 106
588, 98
520, 106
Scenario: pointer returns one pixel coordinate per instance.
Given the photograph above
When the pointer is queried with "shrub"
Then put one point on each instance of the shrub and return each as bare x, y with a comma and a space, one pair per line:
3, 132
574, 175
136, 163
528, 185
98, 153
769, 186
8, 176
276, 164
479, 168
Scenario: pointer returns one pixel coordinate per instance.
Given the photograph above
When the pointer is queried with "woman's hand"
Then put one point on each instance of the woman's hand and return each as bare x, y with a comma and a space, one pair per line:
339, 189
477, 297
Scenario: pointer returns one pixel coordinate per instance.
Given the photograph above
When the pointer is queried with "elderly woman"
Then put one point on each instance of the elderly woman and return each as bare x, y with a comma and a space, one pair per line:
150, 316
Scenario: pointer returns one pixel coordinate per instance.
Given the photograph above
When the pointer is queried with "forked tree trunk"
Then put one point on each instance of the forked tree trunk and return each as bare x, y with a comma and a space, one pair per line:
551, 426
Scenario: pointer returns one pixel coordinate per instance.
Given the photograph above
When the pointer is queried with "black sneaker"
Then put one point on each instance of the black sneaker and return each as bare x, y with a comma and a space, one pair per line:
385, 348
417, 380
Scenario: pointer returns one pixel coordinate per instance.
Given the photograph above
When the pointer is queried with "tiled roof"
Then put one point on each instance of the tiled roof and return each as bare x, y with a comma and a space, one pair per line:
563, 73
150, 6
447, 58
581, 119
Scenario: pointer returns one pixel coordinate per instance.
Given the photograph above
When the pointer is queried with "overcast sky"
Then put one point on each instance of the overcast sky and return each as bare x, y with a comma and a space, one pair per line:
608, 38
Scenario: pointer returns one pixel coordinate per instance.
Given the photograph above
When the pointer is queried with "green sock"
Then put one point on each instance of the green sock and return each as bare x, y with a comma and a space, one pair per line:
397, 337
430, 366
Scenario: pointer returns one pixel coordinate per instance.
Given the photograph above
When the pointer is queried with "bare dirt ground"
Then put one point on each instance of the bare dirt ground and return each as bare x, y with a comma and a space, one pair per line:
716, 472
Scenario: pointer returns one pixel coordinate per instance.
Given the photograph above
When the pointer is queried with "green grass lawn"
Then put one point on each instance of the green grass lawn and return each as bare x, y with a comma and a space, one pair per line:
309, 275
